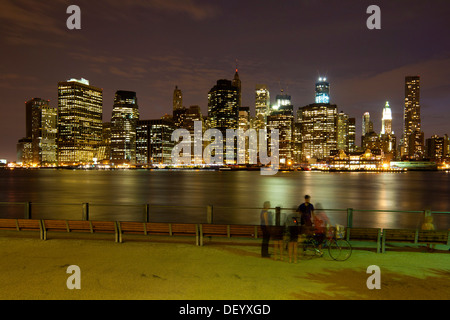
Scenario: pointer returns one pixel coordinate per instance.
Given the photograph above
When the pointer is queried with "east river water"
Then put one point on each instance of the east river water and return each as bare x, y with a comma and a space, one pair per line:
182, 196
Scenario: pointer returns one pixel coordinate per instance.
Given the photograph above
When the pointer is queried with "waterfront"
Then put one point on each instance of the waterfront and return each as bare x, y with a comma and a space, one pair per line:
189, 192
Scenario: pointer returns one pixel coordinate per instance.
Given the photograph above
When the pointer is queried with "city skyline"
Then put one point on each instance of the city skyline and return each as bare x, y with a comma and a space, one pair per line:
365, 68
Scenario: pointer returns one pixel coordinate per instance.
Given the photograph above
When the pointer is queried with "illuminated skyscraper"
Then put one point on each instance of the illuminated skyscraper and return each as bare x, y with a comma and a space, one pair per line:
80, 107
386, 121
342, 131
282, 118
223, 111
413, 137
123, 128
387, 138
351, 134
319, 130
319, 124
42, 129
367, 125
322, 91
262, 106
154, 144
179, 111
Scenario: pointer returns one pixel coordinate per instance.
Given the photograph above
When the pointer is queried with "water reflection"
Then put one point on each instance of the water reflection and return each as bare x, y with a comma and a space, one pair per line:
226, 191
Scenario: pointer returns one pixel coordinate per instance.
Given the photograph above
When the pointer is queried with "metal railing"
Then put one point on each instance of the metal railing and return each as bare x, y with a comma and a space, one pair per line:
349, 217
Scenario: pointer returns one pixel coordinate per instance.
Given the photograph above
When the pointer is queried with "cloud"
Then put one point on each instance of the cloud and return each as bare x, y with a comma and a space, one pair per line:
195, 9
23, 22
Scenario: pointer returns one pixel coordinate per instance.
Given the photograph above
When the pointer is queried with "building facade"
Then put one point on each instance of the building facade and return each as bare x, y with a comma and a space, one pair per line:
80, 124
413, 137
125, 116
154, 142
223, 110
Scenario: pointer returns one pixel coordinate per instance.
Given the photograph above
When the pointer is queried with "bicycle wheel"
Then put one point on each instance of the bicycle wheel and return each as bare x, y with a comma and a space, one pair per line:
307, 250
340, 249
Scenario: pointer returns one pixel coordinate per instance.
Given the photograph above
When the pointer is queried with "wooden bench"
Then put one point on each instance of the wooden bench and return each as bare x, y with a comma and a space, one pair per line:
365, 234
163, 229
74, 226
434, 237
22, 225
229, 231
398, 235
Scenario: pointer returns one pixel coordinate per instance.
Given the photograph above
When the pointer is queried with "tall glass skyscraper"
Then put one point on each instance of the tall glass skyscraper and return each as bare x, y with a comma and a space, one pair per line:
413, 137
80, 108
124, 119
322, 91
262, 105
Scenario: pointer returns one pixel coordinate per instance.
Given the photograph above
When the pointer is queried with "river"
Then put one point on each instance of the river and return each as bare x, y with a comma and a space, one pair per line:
235, 196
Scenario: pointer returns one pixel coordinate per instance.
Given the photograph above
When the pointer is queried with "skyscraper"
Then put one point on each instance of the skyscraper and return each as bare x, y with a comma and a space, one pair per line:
223, 111
387, 138
342, 131
80, 107
319, 124
281, 118
41, 129
124, 119
319, 130
237, 83
367, 125
154, 144
322, 91
262, 106
413, 137
179, 111
386, 121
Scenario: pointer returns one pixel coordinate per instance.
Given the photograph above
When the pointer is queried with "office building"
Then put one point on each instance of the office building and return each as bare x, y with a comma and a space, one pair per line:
124, 119
223, 110
262, 106
319, 125
42, 130
437, 148
282, 118
413, 138
178, 111
154, 142
80, 124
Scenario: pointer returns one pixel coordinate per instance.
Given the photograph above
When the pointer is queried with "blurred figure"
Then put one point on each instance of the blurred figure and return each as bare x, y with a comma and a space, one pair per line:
293, 221
266, 217
277, 235
428, 225
321, 221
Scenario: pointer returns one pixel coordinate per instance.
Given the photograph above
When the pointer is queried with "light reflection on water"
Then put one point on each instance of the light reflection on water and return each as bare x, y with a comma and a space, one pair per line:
415, 191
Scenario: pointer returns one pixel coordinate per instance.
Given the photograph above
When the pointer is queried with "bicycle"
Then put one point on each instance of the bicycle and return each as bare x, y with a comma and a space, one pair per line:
338, 248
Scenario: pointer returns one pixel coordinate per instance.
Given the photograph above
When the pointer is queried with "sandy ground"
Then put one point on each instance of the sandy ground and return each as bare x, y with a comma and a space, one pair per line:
176, 269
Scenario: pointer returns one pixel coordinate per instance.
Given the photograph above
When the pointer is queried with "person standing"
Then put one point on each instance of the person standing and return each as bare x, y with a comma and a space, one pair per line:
306, 211
266, 217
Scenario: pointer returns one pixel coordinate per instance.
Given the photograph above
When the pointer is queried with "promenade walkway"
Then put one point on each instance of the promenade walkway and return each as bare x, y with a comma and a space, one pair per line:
221, 270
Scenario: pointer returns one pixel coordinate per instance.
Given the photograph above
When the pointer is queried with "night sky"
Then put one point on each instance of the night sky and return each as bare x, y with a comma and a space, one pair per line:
149, 46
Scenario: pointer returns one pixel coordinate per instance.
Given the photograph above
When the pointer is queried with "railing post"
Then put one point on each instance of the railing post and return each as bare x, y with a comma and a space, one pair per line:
349, 217
146, 212
85, 216
209, 214
27, 210
277, 216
